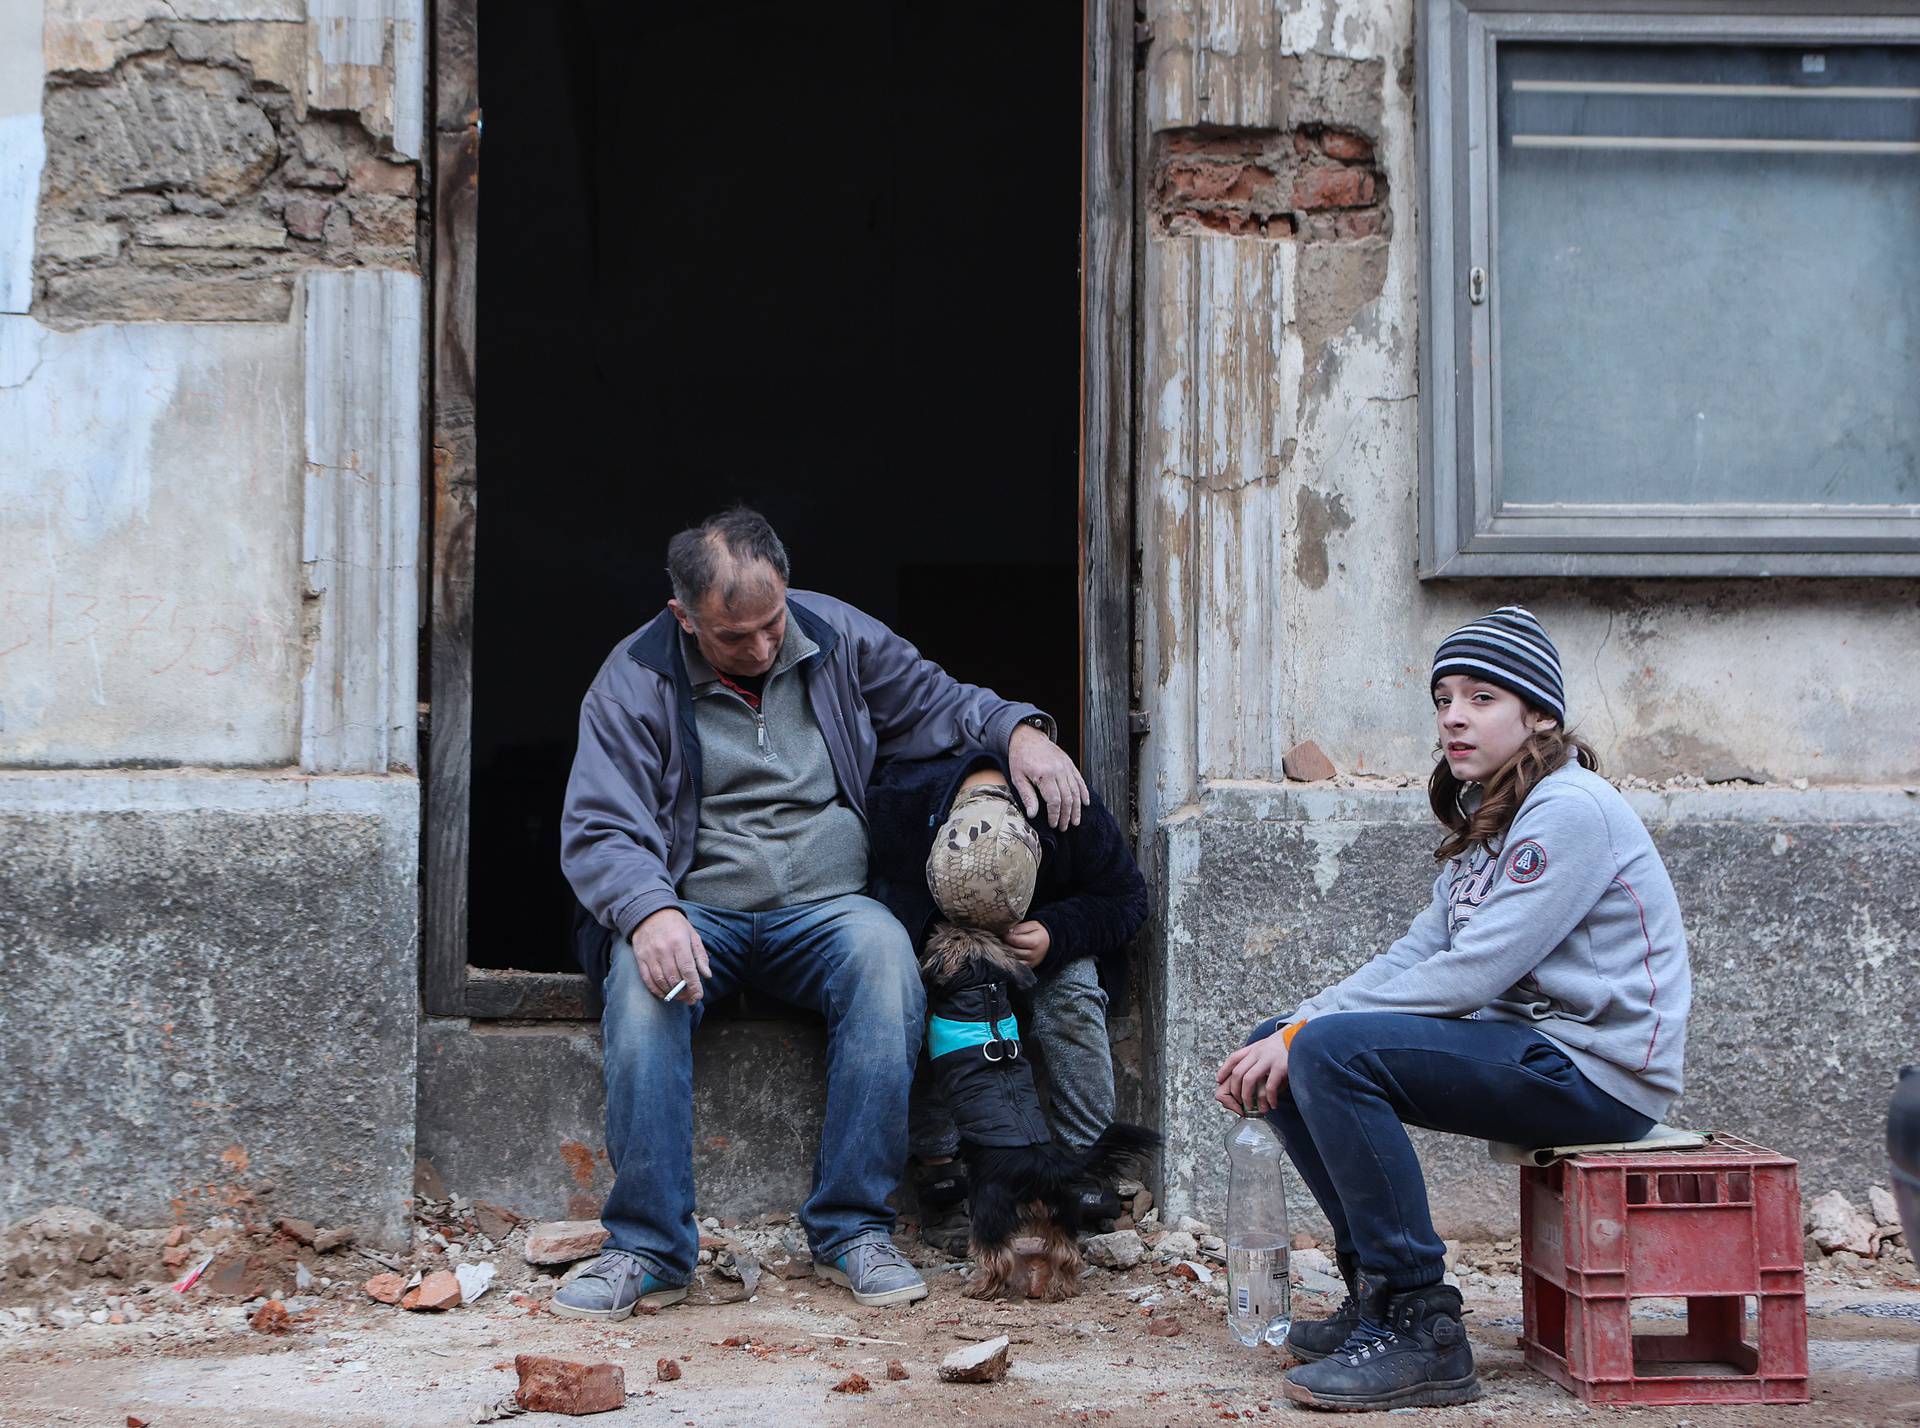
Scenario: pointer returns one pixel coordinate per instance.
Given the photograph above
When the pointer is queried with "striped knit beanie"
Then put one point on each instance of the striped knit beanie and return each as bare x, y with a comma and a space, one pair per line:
1509, 648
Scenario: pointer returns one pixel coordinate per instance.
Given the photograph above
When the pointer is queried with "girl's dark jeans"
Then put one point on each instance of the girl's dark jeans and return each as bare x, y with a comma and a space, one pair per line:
1356, 1080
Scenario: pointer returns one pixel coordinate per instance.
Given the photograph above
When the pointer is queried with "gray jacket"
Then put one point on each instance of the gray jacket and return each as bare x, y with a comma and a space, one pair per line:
1570, 927
632, 813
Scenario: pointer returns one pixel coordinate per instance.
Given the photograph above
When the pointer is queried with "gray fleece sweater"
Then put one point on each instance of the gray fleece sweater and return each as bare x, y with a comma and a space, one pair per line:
1571, 926
774, 828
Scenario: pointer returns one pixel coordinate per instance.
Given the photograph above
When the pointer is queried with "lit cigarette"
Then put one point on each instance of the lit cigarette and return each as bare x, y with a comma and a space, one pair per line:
678, 987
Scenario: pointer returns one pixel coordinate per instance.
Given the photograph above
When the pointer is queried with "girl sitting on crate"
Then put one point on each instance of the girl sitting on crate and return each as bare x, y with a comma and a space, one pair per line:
1541, 998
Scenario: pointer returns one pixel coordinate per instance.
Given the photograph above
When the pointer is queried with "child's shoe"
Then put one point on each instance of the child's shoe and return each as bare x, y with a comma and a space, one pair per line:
942, 1192
1311, 1340
1411, 1352
1099, 1204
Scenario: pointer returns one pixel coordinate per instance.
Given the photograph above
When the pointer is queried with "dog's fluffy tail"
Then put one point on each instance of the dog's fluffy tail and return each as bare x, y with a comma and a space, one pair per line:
1122, 1149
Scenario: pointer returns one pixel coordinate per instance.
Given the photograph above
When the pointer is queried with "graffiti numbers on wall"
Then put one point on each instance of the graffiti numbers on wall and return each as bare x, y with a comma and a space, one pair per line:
155, 633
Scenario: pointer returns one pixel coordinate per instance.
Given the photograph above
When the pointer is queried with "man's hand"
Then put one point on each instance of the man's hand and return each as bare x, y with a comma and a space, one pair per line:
1029, 941
1041, 770
668, 950
1251, 1077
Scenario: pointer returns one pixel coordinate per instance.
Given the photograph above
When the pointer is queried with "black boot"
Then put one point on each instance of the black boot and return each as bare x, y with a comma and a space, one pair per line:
1311, 1340
942, 1192
1099, 1204
1409, 1351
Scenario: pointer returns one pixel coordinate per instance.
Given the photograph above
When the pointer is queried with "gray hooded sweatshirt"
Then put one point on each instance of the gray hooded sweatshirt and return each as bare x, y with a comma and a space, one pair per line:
1570, 926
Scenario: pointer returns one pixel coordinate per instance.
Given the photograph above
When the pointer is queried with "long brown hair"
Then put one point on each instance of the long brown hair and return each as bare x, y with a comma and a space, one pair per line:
1503, 791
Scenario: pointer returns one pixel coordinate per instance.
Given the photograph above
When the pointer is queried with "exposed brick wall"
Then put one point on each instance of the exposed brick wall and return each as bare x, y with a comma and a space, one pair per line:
187, 179
1315, 182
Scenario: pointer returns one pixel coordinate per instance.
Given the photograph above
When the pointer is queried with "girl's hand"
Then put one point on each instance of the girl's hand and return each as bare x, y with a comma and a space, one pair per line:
1029, 940
1250, 1079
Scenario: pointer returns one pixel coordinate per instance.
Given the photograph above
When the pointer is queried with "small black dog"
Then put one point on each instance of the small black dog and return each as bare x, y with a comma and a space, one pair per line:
1022, 1183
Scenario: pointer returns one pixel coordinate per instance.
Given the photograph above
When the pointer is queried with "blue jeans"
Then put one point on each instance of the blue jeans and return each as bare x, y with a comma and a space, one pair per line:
844, 957
1355, 1080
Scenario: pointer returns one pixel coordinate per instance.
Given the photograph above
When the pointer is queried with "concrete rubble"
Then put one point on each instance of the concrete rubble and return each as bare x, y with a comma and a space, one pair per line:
1835, 1224
1886, 1213
1120, 1249
563, 1241
1145, 1341
984, 1362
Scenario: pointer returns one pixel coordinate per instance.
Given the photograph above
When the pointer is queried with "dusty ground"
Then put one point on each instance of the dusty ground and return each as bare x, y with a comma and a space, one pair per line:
192, 1359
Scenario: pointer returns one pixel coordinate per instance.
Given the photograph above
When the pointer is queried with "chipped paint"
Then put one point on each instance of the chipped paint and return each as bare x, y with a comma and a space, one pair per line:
23, 148
149, 506
369, 57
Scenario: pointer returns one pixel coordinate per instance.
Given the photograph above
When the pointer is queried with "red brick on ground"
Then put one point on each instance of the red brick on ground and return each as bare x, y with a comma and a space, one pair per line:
563, 1241
1306, 763
551, 1385
666, 1370
439, 1290
270, 1318
387, 1288
496, 1222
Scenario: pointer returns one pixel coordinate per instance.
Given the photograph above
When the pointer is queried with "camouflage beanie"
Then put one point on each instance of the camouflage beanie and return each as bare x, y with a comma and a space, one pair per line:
985, 860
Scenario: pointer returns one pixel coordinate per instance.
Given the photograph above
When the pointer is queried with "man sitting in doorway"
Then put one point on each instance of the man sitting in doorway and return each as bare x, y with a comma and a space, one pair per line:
715, 821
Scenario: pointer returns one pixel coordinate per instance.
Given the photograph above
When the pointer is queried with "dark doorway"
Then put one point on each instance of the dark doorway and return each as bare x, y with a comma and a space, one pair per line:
823, 260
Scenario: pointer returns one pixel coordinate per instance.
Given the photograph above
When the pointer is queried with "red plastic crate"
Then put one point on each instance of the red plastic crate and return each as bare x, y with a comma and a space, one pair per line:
1718, 1227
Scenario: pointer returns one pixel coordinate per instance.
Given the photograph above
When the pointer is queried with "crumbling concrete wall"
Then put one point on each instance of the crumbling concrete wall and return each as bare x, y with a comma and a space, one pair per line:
149, 607
759, 1098
210, 375
208, 1007
1277, 509
189, 179
1272, 891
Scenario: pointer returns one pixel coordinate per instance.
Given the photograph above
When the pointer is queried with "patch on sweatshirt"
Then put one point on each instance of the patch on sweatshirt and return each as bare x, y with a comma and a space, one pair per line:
1526, 862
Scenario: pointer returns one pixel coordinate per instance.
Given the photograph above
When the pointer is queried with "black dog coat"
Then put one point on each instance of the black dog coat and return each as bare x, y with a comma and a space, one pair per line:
973, 1040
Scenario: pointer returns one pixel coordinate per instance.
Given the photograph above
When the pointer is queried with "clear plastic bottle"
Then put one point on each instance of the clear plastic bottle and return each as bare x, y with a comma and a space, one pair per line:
1259, 1295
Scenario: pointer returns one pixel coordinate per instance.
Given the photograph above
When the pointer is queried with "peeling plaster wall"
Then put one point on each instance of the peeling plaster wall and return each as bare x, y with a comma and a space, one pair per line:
198, 166
149, 544
1280, 477
1276, 510
1276, 889
23, 148
211, 336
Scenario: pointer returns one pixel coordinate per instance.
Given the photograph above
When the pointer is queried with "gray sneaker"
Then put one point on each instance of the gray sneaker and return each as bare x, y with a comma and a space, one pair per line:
876, 1272
611, 1286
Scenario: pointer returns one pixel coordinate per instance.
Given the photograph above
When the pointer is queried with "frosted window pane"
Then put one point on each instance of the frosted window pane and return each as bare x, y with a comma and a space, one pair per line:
1708, 274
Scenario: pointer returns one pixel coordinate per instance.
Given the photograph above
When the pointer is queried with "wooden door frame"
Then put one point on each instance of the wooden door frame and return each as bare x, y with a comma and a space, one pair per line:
1107, 202
449, 986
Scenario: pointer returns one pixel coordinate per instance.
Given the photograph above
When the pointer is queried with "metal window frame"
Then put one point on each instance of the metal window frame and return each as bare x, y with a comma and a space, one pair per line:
1464, 531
